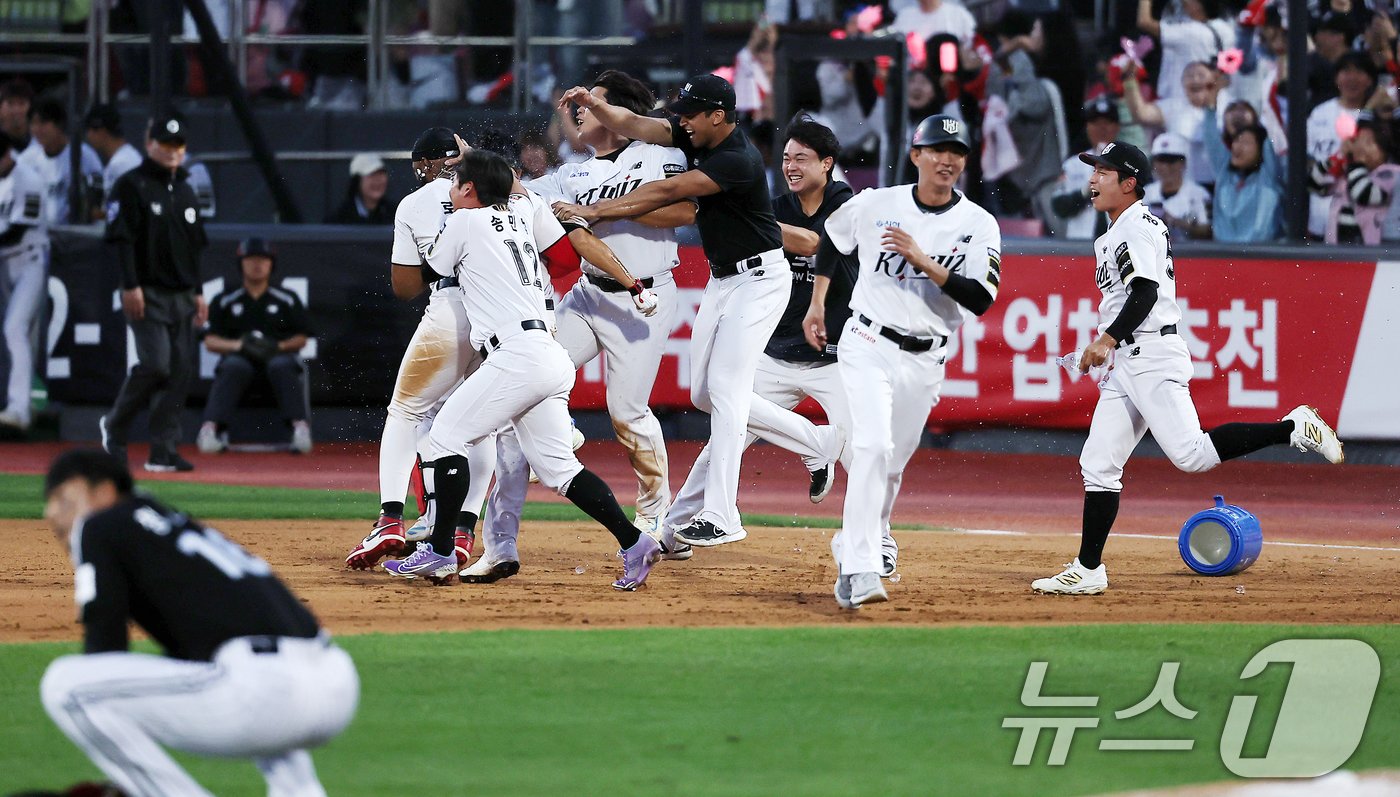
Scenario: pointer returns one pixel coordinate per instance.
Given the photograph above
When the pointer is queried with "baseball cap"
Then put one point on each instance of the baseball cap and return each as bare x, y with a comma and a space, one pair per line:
942, 129
1169, 145
169, 129
104, 117
704, 93
255, 247
1102, 108
435, 143
1125, 159
365, 164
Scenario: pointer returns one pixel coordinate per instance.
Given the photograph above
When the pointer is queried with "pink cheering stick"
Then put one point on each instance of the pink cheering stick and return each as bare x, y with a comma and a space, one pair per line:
948, 57
1346, 126
1229, 61
869, 18
918, 51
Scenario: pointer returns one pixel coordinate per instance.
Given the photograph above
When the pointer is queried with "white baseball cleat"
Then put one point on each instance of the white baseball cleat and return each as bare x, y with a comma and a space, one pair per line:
842, 590
1076, 579
649, 524
421, 530
577, 439
1311, 433
866, 588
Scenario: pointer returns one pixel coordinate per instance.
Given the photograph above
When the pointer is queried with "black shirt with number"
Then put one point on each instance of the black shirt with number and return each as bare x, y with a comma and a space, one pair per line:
737, 223
187, 586
278, 314
153, 218
788, 342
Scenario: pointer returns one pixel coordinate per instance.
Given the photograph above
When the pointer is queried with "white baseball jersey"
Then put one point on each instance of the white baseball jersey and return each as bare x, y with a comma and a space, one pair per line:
492, 252
123, 160
419, 219
56, 174
22, 197
646, 251
1136, 246
964, 238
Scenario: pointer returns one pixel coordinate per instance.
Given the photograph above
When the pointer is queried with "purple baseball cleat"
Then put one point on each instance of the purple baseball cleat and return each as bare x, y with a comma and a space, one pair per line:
424, 563
637, 562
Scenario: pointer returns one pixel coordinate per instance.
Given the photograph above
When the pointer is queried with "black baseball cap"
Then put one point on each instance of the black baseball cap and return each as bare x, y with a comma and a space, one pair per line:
168, 129
435, 143
103, 117
942, 129
1102, 108
1126, 159
704, 93
255, 247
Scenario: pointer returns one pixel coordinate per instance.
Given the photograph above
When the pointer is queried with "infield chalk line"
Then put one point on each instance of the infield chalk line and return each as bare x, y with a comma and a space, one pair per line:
1007, 533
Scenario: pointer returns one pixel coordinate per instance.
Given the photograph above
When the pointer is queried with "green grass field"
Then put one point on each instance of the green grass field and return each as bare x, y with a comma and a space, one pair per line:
801, 711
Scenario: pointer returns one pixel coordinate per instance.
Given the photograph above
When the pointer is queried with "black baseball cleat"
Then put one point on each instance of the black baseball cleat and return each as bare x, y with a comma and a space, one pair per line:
823, 479
704, 534
168, 462
482, 573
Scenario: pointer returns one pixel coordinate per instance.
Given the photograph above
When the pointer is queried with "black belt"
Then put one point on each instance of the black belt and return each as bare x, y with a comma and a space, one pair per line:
906, 342
495, 342
445, 282
720, 271
607, 285
1169, 329
267, 643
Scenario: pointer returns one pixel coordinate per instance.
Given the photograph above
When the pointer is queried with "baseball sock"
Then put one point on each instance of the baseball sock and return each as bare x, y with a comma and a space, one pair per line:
466, 520
453, 478
596, 499
1100, 510
392, 508
428, 492
1237, 439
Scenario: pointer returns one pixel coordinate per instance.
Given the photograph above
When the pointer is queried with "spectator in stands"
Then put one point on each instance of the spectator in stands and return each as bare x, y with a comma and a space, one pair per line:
1249, 183
104, 134
48, 123
1356, 82
16, 98
931, 17
258, 329
1071, 204
1180, 114
1332, 39
1187, 40
1363, 190
1174, 198
365, 195
1032, 123
753, 74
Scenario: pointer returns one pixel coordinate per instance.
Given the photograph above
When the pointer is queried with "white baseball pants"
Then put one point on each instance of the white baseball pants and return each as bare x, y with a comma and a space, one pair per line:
122, 709
593, 321
737, 316
782, 385
895, 391
25, 272
1146, 390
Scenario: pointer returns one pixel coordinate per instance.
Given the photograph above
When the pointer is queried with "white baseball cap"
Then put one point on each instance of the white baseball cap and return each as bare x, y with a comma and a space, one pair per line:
1169, 145
365, 164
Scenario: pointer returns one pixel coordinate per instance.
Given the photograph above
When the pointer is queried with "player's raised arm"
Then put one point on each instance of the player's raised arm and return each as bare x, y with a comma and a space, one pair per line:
620, 120
649, 197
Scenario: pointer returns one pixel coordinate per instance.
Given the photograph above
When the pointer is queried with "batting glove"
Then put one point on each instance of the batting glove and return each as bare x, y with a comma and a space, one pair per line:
645, 300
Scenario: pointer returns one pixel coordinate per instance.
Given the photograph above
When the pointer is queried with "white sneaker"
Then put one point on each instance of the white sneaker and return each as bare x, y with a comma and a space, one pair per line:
866, 588
301, 437
15, 420
209, 441
1076, 579
421, 530
1311, 433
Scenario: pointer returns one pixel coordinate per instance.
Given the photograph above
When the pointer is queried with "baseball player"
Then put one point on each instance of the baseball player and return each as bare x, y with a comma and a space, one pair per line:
927, 254
1149, 367
525, 377
596, 315
48, 123
750, 278
246, 672
789, 370
24, 245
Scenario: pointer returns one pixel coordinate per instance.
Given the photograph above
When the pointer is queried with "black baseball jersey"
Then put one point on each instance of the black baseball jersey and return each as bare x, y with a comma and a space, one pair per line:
278, 314
788, 342
153, 218
187, 586
737, 223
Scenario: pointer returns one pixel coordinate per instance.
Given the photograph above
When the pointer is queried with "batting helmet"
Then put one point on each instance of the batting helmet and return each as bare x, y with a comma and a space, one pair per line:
435, 143
942, 129
255, 247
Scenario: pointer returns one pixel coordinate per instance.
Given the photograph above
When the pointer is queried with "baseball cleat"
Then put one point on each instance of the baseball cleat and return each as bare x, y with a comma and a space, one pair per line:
866, 588
676, 551
421, 529
462, 545
1076, 579
648, 524
15, 419
386, 539
1311, 433
484, 571
577, 439
842, 590
889, 557
637, 562
424, 563
704, 534
823, 479
168, 462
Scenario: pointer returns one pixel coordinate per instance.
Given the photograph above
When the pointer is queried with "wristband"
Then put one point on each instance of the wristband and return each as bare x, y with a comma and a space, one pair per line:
637, 287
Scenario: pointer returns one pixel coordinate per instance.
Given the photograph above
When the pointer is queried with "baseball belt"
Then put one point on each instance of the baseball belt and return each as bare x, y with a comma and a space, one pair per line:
494, 342
905, 342
607, 285
721, 270
445, 282
1169, 329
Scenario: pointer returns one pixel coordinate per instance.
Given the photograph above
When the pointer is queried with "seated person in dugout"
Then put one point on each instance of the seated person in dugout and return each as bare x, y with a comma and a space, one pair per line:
259, 329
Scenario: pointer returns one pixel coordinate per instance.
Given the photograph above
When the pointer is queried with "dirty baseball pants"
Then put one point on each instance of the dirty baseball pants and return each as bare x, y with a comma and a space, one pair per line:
271, 706
895, 391
24, 269
165, 363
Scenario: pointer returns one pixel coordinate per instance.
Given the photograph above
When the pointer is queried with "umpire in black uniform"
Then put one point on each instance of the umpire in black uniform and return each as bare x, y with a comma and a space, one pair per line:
247, 671
259, 328
153, 218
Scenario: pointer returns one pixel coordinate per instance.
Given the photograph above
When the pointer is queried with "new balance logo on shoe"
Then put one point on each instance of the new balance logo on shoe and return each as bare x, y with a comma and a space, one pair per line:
1070, 579
1313, 433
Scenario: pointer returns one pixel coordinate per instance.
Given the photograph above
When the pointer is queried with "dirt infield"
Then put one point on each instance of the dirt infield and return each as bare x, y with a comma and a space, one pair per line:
775, 577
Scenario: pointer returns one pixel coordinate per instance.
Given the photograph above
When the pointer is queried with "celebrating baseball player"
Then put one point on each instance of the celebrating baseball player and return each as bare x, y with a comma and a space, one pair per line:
596, 314
926, 254
247, 671
789, 370
24, 247
525, 377
1148, 369
749, 287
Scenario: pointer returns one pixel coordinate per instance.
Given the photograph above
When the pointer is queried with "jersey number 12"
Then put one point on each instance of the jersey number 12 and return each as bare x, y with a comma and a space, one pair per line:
520, 264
